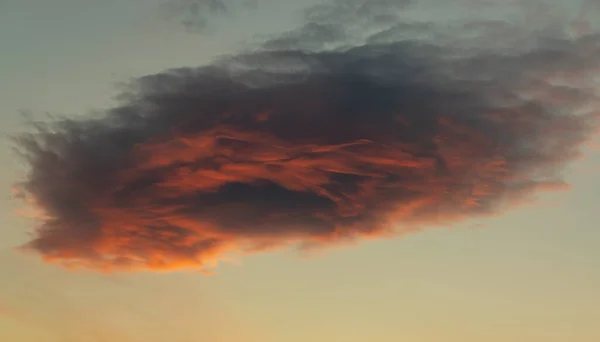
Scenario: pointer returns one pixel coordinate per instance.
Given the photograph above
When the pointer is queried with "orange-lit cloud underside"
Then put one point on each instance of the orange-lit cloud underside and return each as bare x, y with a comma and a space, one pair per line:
341, 145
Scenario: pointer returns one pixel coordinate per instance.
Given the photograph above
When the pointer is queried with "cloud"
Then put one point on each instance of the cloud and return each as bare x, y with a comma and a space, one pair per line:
306, 143
199, 15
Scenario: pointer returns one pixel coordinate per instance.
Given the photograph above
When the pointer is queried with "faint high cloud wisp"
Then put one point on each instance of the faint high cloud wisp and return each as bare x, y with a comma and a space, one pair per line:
376, 129
200, 15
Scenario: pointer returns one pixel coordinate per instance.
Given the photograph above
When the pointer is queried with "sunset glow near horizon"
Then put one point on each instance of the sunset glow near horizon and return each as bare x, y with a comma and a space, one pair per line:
335, 170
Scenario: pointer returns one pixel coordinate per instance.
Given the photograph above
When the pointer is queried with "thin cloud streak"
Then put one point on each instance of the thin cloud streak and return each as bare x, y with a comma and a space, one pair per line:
201, 15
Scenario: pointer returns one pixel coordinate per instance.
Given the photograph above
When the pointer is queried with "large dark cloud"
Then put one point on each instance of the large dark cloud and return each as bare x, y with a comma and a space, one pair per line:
311, 140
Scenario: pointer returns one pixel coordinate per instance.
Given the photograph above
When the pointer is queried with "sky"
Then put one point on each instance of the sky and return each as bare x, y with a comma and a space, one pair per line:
527, 272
